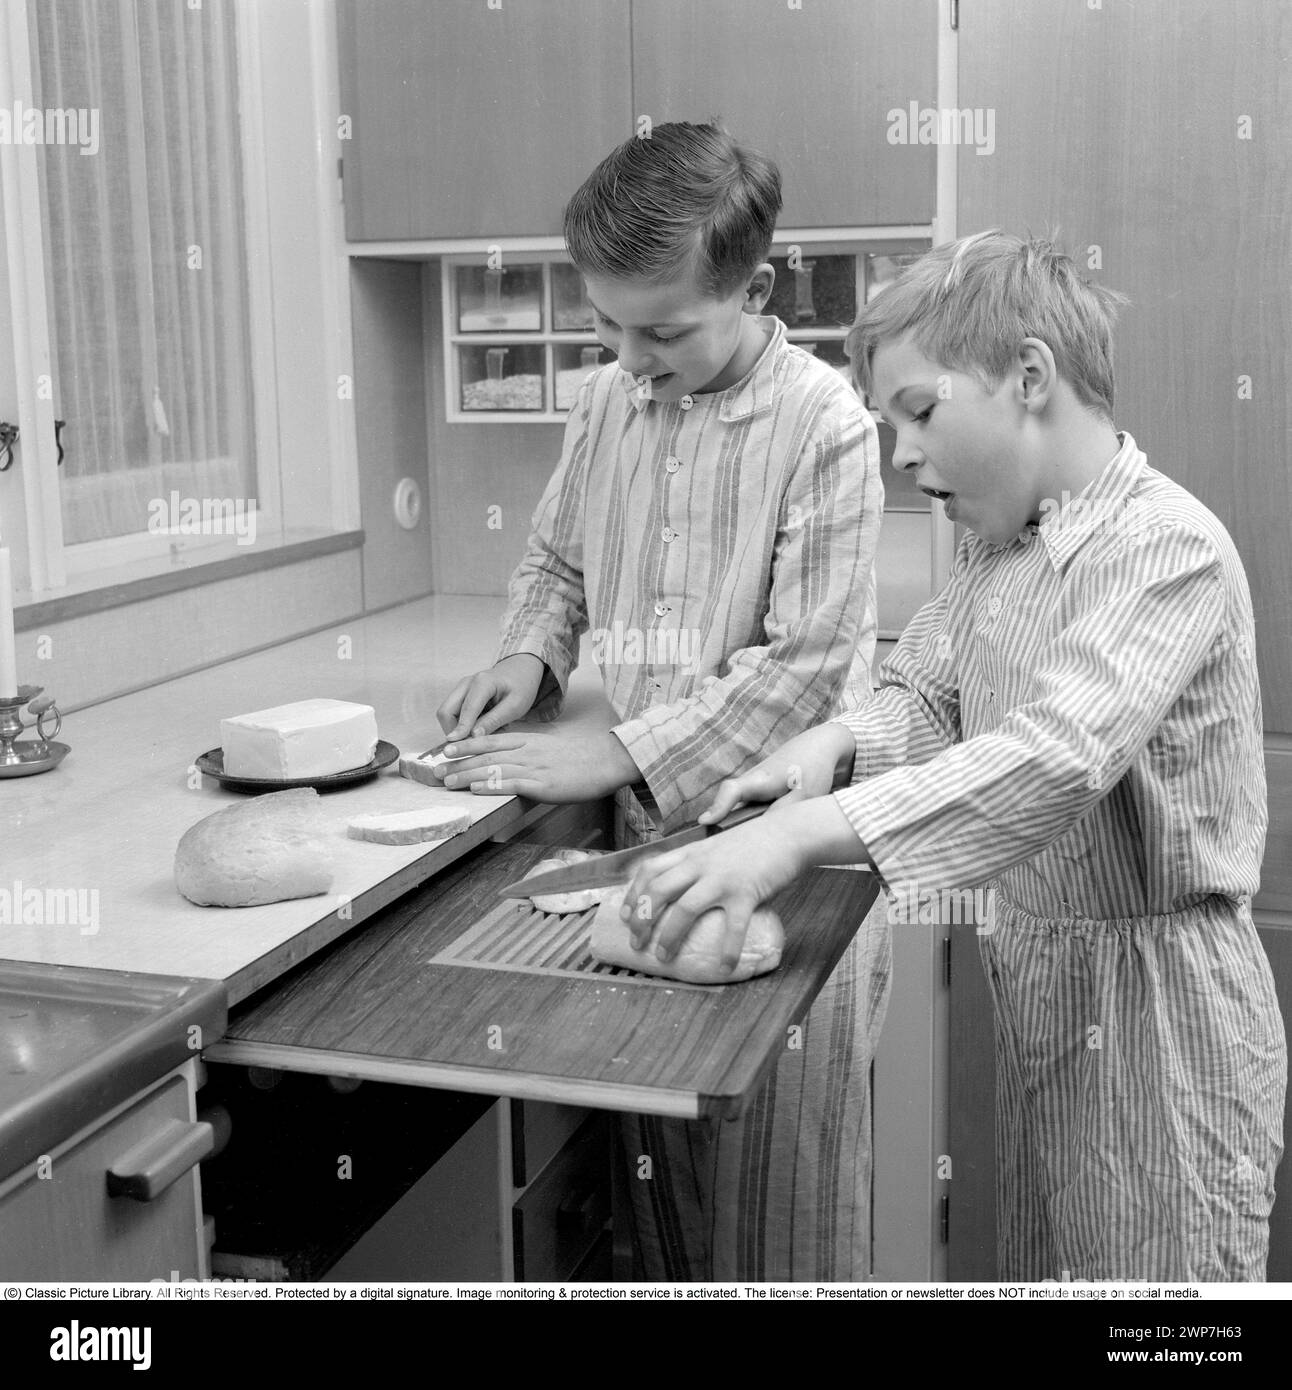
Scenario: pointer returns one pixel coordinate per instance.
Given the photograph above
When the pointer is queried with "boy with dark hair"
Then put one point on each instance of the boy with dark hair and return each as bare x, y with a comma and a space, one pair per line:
717, 506
1077, 717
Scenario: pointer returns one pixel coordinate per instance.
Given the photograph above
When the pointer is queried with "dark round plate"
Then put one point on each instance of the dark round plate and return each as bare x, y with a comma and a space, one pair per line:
212, 763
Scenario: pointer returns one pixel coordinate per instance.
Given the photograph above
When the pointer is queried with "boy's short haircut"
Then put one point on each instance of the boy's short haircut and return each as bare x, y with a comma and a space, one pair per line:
683, 197
969, 305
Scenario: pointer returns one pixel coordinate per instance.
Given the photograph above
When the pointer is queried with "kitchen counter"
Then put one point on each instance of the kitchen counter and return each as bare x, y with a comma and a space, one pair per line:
96, 837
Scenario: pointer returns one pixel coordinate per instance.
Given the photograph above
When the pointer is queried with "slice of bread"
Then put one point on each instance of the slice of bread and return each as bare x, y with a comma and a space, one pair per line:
409, 827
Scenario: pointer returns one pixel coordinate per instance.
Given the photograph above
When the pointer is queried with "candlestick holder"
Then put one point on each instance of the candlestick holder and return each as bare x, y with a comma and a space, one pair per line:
23, 757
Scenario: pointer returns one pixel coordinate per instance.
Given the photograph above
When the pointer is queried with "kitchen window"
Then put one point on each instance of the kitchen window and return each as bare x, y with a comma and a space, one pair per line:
156, 401
519, 332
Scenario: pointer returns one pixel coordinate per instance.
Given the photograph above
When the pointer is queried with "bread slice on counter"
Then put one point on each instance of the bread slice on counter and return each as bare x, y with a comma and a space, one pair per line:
409, 827
264, 850
423, 769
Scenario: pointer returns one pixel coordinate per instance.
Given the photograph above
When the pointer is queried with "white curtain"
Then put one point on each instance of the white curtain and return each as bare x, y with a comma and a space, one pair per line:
147, 259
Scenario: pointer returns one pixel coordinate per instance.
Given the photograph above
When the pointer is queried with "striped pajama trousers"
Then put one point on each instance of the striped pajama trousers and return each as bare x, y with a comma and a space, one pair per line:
783, 1192
1141, 1069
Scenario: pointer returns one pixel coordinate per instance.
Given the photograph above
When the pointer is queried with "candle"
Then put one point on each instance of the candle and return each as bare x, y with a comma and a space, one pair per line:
8, 661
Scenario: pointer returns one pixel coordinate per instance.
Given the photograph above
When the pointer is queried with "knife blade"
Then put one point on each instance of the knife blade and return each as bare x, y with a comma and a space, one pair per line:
607, 869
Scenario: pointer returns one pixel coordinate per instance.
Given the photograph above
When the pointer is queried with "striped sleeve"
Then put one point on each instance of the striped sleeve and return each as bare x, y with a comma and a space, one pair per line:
824, 552
1146, 619
915, 713
547, 605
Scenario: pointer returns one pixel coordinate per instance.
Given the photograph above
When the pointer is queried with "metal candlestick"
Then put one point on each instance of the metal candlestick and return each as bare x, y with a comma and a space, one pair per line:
22, 757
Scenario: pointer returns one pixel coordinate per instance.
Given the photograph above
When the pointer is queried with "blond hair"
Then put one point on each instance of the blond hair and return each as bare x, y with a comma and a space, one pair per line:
970, 303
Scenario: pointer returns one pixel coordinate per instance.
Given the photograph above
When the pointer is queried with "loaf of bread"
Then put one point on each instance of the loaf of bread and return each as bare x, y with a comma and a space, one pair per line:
699, 962
262, 850
579, 901
409, 827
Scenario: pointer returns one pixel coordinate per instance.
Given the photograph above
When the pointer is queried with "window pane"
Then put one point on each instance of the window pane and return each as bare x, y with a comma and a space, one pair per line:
571, 312
573, 363
502, 378
820, 292
507, 300
147, 260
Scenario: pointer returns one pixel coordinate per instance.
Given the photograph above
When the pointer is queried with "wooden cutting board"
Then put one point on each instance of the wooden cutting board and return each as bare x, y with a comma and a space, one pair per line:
453, 989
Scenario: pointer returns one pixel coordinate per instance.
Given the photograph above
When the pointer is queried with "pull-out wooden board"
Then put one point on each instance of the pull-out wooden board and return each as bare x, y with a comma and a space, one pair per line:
451, 989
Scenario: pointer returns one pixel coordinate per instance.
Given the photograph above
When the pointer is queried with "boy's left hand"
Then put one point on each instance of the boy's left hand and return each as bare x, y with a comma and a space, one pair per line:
542, 766
735, 870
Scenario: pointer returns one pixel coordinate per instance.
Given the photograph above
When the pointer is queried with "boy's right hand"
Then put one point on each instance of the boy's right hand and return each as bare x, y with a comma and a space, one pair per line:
810, 764
489, 700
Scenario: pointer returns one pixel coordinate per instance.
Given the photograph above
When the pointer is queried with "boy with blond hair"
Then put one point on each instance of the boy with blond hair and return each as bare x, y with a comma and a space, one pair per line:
1075, 717
717, 502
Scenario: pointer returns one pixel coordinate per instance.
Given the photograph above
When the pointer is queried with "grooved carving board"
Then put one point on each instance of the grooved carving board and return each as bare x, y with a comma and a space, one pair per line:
452, 989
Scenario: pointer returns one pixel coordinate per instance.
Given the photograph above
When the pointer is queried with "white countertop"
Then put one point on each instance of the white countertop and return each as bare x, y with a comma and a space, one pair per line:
105, 823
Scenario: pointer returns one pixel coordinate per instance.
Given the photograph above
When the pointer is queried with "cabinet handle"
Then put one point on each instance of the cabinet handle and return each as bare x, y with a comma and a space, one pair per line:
147, 1170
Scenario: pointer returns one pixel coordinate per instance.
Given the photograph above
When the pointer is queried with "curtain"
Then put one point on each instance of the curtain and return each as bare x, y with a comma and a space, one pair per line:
147, 259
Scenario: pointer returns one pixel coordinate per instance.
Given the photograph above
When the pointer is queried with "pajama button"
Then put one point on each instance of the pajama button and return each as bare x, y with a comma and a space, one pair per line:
686, 402
995, 606
669, 533
671, 464
661, 609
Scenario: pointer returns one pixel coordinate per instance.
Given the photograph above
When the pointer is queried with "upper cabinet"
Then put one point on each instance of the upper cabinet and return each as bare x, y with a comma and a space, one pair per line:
474, 121
813, 87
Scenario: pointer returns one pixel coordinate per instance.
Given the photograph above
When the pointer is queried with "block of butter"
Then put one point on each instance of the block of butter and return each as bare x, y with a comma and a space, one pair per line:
311, 738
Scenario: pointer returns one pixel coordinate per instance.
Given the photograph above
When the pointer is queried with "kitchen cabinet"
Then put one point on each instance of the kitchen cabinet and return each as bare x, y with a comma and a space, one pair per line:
470, 120
59, 1220
812, 86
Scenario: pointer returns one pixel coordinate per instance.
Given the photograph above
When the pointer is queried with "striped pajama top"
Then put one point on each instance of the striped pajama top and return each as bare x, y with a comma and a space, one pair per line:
721, 552
1077, 714
1077, 718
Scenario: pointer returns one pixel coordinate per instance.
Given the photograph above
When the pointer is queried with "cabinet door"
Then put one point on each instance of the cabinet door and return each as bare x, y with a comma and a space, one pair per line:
62, 1225
1153, 136
811, 87
474, 121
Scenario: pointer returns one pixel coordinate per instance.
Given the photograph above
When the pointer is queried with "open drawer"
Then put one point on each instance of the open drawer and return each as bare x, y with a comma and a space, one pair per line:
439, 991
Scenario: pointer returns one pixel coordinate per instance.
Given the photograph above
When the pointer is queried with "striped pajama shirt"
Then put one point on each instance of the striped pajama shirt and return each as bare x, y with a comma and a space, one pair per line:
1076, 720
720, 552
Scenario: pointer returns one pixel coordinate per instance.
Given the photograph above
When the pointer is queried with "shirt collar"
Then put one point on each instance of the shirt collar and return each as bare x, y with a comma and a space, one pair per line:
749, 396
1102, 503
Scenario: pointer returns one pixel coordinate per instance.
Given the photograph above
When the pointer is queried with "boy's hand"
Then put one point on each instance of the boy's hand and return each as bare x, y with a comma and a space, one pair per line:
543, 766
736, 871
808, 765
506, 691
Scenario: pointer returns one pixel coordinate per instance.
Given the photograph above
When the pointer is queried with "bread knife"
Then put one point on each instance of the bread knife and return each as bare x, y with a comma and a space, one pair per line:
607, 869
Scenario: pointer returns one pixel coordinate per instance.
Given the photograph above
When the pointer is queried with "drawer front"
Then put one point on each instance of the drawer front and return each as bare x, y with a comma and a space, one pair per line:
66, 1227
562, 1214
539, 1130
